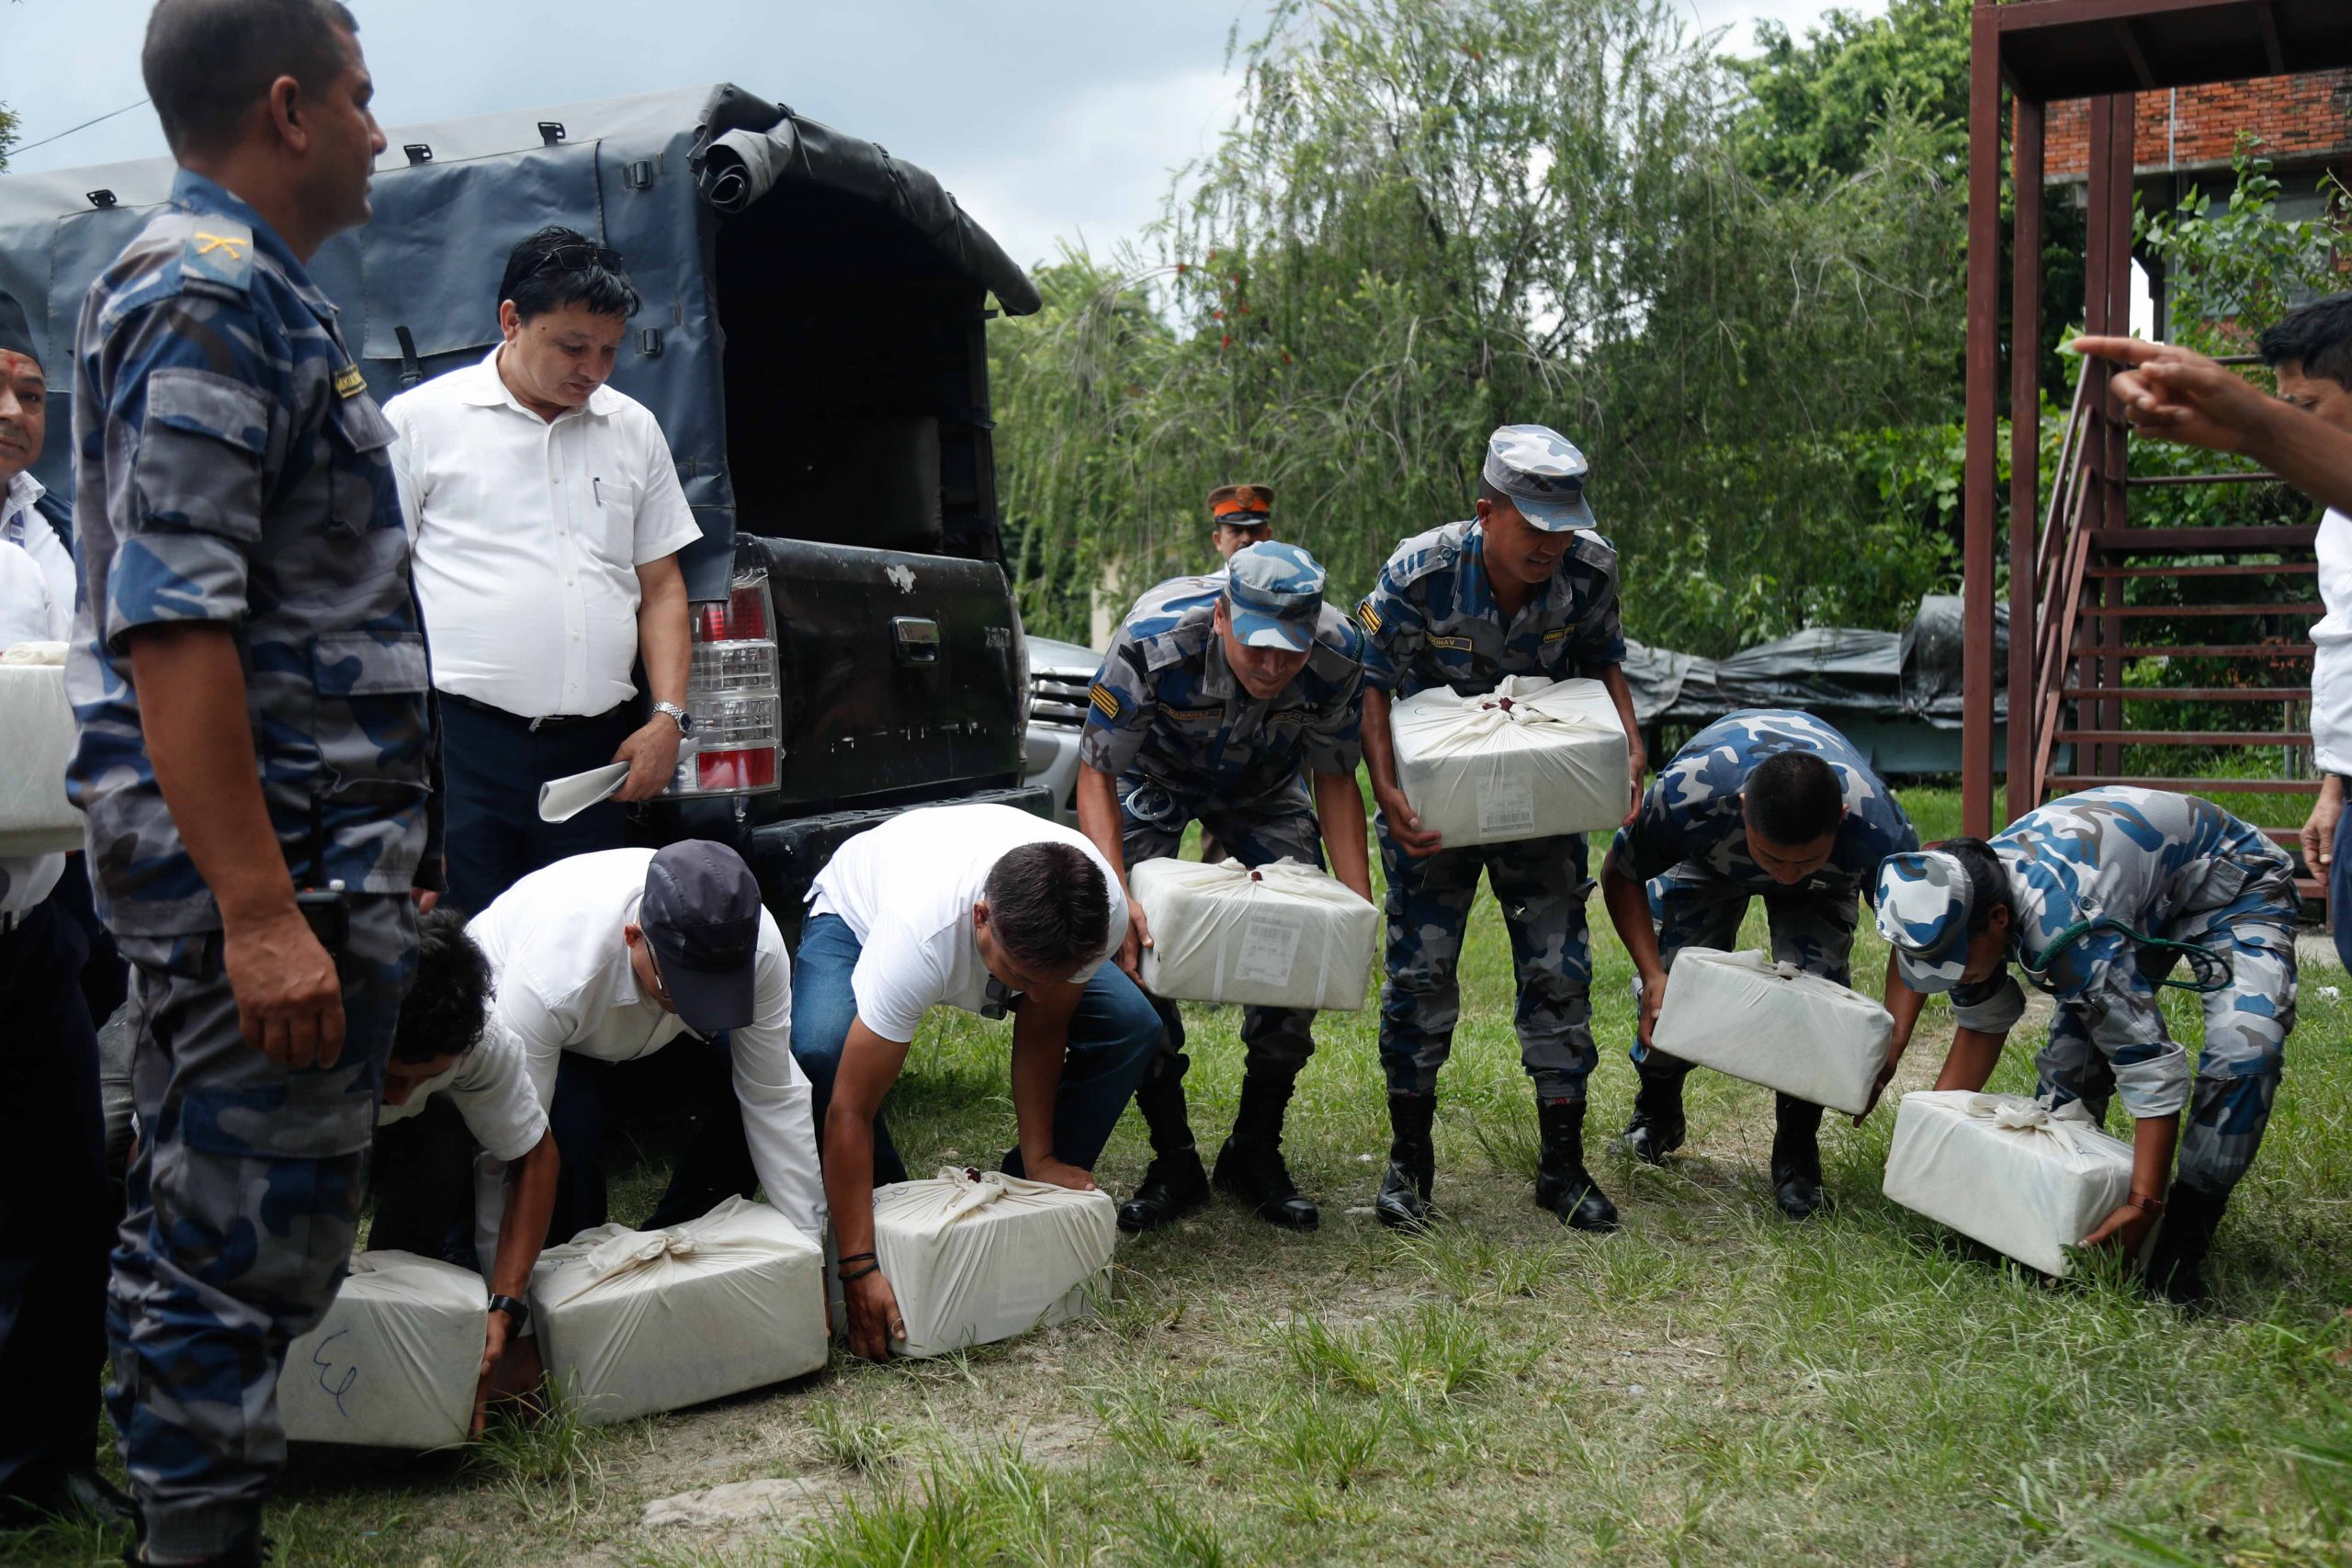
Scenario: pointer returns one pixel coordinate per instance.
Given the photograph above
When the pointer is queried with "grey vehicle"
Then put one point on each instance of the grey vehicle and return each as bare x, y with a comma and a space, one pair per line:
1060, 675
812, 342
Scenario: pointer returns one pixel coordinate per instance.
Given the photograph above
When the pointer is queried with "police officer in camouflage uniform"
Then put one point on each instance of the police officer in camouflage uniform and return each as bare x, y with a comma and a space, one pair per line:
2100, 898
1767, 803
1524, 588
1215, 693
250, 676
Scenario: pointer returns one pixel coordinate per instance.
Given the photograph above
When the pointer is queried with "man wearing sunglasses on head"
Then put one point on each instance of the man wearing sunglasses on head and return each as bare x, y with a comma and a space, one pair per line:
2102, 898
547, 516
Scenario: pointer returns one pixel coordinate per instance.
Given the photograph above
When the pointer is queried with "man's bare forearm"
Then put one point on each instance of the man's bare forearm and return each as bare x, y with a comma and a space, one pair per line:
1628, 903
1339, 808
1098, 819
522, 1224
664, 636
1379, 749
192, 708
849, 1178
2307, 452
1040, 1040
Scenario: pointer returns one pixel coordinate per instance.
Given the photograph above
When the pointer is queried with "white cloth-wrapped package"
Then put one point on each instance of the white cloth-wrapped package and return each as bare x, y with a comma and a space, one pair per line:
1772, 1023
1529, 760
2004, 1170
1285, 935
35, 817
634, 1322
974, 1258
394, 1362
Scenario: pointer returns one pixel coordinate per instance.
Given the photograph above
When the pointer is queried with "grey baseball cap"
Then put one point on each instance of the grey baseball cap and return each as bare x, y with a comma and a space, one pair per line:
701, 912
1543, 473
1273, 594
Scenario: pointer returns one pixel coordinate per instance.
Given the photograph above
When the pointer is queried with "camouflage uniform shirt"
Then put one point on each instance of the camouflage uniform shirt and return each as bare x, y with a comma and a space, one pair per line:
1432, 619
1166, 707
1691, 815
232, 469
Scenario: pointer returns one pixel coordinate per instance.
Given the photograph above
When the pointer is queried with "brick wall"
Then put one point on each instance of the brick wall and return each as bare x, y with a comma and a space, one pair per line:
2300, 119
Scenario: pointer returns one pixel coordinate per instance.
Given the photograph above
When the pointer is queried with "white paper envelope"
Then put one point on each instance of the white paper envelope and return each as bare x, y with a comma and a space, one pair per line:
562, 799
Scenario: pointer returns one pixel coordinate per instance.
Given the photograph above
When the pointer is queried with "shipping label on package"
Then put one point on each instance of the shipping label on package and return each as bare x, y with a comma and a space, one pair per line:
1269, 948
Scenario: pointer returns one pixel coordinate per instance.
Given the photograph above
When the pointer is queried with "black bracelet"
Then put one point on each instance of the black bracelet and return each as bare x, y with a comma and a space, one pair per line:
862, 1273
850, 1258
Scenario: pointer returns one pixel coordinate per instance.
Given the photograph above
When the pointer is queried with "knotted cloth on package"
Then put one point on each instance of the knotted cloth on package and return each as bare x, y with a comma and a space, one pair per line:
394, 1362
1285, 935
633, 1322
35, 817
977, 1257
2008, 1172
1532, 759
1772, 1023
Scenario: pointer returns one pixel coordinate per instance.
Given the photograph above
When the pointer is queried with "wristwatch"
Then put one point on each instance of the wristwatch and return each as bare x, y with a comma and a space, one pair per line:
678, 716
518, 1314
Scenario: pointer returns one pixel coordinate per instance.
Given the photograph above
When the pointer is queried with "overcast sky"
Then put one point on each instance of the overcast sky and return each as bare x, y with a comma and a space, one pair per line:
1048, 118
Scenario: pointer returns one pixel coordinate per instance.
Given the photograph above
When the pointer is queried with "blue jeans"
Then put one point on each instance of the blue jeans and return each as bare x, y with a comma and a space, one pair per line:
1112, 1037
2339, 889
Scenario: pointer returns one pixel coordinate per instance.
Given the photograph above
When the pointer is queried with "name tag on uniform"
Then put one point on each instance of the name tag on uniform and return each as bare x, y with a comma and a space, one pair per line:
1462, 643
1193, 713
350, 382
1553, 637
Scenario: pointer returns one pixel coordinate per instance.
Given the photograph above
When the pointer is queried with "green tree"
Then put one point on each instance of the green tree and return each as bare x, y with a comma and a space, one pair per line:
1814, 108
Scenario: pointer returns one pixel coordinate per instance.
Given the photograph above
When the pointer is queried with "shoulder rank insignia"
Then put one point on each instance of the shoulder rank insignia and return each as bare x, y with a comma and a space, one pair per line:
1105, 701
220, 250
1368, 616
350, 382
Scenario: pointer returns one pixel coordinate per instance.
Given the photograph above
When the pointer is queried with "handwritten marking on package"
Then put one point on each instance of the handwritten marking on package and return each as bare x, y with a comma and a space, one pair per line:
1507, 808
1269, 948
335, 1391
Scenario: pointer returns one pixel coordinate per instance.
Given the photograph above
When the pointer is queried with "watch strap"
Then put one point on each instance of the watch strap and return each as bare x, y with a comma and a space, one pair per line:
517, 1312
2144, 1203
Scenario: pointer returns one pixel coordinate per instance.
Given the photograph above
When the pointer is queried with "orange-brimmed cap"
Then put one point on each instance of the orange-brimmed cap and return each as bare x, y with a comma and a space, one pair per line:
1240, 506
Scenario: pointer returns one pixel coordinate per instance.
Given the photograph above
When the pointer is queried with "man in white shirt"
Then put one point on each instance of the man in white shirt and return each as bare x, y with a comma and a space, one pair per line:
992, 910
2310, 350
548, 517
52, 1229
455, 1083
610, 957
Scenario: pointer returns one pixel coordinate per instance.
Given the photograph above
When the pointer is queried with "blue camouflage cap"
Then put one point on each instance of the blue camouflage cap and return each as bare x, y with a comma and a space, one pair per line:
1925, 899
1543, 473
1273, 595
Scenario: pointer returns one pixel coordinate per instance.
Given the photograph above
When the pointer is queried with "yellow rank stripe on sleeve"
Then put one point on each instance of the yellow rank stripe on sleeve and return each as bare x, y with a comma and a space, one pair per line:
1368, 616
1555, 634
1104, 699
350, 382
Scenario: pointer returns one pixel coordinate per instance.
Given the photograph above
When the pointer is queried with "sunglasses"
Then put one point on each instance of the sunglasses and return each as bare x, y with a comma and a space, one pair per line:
578, 258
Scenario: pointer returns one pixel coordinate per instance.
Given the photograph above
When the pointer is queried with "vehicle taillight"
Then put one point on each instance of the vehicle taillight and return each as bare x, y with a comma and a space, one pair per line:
734, 693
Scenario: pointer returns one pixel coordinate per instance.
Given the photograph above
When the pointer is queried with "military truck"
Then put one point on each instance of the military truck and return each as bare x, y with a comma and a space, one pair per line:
812, 342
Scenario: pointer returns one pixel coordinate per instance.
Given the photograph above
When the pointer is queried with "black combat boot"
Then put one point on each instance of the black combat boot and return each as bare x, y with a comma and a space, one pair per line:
1656, 1127
1796, 1157
1562, 1183
250, 1549
2176, 1263
1250, 1166
1175, 1184
1403, 1202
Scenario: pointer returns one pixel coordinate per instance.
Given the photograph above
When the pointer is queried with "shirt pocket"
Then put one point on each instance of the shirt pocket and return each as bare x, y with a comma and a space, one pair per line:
200, 454
369, 721
612, 512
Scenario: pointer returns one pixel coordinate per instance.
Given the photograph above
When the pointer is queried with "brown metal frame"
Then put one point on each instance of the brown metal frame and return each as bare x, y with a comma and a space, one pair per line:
2042, 51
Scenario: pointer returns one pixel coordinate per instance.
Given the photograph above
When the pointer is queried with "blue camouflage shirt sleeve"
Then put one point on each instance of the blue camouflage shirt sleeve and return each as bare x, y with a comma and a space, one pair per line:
1598, 640
2098, 976
1120, 706
1394, 630
191, 409
1333, 737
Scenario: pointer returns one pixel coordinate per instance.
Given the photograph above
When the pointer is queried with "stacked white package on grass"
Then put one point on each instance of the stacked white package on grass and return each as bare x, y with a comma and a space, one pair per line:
394, 1362
1529, 760
1772, 1023
35, 817
1285, 935
634, 1322
2023, 1179
975, 1258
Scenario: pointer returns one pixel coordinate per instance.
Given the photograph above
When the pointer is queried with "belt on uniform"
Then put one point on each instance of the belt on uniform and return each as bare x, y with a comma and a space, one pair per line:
550, 721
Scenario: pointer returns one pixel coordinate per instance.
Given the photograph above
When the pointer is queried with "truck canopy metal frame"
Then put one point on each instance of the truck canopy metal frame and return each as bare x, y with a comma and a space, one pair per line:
869, 384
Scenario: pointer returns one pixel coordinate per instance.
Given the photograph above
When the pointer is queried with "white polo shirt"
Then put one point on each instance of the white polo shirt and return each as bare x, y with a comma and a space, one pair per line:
906, 889
491, 1091
23, 527
2331, 641
555, 943
528, 534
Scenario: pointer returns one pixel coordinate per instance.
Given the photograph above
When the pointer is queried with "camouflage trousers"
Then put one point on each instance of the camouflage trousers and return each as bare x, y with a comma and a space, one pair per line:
1540, 885
1811, 927
242, 1201
2237, 1072
1276, 1042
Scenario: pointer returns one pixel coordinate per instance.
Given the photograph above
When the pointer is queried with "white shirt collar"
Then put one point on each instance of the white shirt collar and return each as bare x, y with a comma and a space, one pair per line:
24, 491
485, 388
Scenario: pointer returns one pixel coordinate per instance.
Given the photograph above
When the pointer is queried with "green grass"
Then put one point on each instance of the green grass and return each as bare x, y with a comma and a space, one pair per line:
1710, 1386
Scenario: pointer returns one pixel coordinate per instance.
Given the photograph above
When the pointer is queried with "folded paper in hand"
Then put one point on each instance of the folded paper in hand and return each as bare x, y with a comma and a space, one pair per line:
562, 799
2020, 1178
394, 1361
1532, 759
1285, 935
1772, 1023
975, 1258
